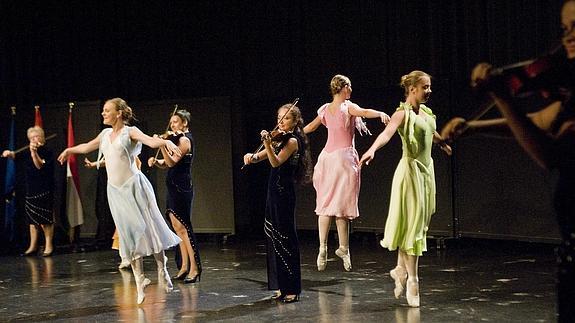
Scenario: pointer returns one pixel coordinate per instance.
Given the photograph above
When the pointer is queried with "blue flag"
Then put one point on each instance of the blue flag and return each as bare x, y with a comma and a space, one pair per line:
9, 192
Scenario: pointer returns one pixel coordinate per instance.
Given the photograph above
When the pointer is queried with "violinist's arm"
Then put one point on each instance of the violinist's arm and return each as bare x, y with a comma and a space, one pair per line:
534, 140
185, 147
255, 158
437, 139
285, 153
312, 126
542, 119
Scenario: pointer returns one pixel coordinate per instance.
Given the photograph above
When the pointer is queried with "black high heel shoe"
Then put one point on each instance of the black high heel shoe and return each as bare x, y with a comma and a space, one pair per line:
194, 279
181, 276
29, 254
278, 296
290, 299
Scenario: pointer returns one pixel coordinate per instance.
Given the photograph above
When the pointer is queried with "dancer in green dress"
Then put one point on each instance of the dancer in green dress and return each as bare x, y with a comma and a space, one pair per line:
413, 190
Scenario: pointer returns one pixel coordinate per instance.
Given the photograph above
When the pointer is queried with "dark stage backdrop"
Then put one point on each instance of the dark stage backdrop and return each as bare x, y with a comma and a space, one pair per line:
261, 54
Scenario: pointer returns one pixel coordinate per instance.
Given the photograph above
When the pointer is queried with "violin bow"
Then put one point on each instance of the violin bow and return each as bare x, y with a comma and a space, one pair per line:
21, 149
167, 129
276, 127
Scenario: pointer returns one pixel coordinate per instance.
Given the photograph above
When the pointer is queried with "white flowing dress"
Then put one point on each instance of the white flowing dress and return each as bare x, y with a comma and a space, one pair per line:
141, 227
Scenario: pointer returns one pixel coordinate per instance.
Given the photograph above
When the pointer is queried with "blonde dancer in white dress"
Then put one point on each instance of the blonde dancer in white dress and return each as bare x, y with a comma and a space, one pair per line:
141, 227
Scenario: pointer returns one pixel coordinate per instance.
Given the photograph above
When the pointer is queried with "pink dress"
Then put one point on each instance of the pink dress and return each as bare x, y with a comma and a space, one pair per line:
336, 176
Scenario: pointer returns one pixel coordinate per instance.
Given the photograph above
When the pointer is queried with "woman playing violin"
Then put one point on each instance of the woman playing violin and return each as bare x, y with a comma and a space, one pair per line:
39, 190
181, 194
291, 162
548, 137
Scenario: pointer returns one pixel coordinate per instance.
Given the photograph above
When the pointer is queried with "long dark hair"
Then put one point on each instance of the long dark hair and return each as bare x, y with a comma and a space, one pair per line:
304, 171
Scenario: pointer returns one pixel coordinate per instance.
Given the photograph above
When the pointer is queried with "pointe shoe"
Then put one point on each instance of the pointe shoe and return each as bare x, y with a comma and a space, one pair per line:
140, 286
345, 256
322, 258
191, 280
124, 264
164, 278
412, 299
399, 276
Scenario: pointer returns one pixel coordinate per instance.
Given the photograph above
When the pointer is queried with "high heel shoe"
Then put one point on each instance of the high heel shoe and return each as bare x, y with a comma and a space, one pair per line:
412, 299
180, 276
345, 256
400, 279
278, 296
29, 253
290, 298
191, 280
322, 258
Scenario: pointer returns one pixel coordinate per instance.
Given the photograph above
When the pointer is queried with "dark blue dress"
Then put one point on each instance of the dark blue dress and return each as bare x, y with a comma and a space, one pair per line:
181, 195
40, 188
283, 258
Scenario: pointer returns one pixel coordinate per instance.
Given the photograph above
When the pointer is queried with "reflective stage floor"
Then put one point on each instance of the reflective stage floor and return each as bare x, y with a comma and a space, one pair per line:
468, 281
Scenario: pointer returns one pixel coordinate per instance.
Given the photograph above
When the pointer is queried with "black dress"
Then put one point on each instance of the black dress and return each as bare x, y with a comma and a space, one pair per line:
181, 195
564, 200
283, 258
40, 188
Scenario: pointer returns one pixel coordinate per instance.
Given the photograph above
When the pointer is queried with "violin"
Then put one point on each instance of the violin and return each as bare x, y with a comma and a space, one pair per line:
547, 75
173, 136
279, 134
552, 76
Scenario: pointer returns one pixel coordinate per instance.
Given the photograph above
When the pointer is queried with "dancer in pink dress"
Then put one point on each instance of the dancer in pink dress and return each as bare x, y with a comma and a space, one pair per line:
336, 177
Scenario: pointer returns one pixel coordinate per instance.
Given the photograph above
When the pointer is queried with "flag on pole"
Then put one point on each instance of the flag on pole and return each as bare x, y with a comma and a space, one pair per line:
38, 117
73, 203
10, 183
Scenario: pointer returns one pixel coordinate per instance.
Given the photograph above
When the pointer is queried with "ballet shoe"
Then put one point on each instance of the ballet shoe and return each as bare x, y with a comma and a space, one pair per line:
47, 254
345, 256
322, 258
290, 298
180, 276
124, 264
164, 278
146, 282
140, 286
191, 280
412, 299
400, 280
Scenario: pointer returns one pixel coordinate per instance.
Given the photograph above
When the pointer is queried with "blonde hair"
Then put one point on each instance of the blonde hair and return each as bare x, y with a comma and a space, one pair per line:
123, 108
37, 130
411, 79
337, 83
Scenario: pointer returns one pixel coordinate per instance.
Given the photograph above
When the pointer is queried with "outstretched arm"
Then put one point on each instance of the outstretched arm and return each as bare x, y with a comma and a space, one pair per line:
384, 137
312, 126
357, 111
84, 148
154, 142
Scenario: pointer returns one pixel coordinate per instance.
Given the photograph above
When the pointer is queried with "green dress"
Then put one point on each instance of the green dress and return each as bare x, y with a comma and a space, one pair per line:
412, 199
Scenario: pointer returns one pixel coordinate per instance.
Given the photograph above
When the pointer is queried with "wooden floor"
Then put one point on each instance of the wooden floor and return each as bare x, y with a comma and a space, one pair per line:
468, 281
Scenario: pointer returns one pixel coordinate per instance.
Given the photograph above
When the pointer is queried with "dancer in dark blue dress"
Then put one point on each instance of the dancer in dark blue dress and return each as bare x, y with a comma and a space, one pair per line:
289, 156
181, 195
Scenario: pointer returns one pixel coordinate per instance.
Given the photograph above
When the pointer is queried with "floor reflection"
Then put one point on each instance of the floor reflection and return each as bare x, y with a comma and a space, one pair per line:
41, 270
407, 315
